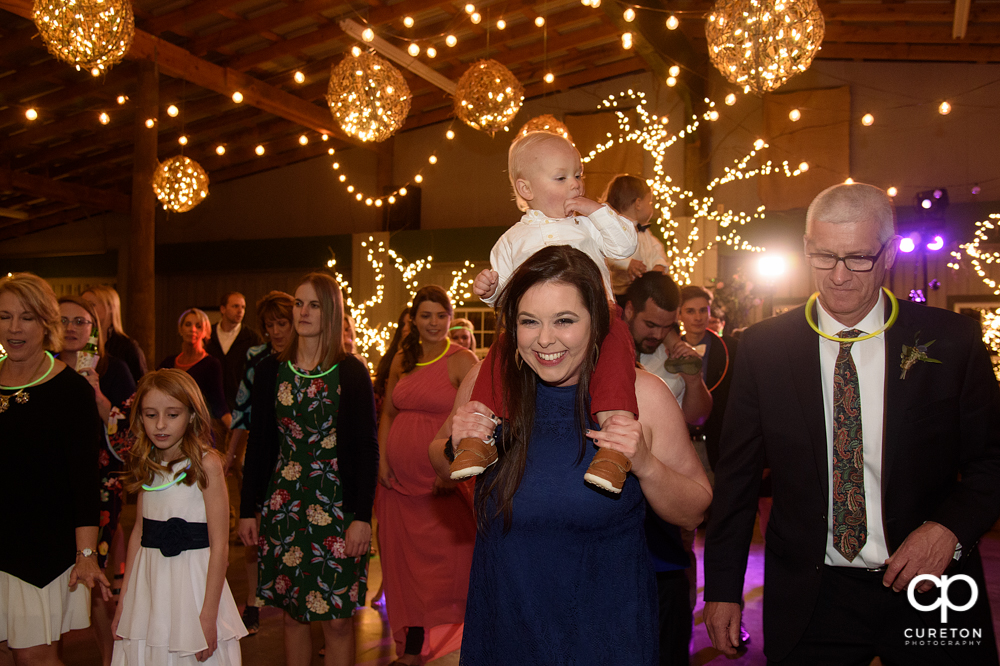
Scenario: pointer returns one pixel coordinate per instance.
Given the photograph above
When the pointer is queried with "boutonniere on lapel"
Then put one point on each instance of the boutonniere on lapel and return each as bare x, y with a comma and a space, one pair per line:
917, 352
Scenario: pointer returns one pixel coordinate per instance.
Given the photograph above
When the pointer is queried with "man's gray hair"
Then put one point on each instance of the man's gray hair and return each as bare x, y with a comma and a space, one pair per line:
856, 202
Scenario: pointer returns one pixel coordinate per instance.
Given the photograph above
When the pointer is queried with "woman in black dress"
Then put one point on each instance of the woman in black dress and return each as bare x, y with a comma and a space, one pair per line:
50, 433
195, 329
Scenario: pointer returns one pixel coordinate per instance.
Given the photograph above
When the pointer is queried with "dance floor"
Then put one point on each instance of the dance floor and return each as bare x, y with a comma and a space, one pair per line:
375, 646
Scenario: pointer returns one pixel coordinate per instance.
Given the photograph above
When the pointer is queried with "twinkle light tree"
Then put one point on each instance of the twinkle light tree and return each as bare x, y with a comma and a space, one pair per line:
683, 241
375, 336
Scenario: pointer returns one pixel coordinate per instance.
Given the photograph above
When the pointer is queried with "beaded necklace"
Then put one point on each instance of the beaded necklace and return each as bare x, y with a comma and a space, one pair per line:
21, 396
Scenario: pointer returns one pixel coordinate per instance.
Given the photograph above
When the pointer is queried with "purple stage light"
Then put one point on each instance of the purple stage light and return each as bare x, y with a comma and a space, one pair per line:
907, 245
936, 244
926, 204
917, 296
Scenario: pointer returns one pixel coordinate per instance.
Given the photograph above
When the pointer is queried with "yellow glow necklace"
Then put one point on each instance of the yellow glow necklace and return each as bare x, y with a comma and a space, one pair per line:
892, 319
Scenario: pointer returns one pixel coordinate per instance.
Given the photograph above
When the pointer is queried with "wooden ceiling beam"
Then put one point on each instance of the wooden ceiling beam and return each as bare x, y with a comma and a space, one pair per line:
57, 190
916, 34
48, 70
42, 223
913, 52
323, 33
196, 10
204, 43
175, 61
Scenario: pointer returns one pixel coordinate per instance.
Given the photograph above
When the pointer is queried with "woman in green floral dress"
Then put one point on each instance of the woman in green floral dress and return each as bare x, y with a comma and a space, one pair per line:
312, 462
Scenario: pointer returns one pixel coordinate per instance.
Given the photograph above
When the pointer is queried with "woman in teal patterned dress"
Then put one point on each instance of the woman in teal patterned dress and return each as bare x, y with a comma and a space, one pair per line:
312, 462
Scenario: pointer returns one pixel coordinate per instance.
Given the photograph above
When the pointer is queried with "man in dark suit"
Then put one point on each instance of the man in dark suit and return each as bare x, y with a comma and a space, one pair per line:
884, 452
229, 343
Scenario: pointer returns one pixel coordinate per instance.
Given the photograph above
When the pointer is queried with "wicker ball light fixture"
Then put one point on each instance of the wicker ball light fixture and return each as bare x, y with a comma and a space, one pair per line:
546, 123
760, 44
488, 96
180, 184
368, 96
88, 34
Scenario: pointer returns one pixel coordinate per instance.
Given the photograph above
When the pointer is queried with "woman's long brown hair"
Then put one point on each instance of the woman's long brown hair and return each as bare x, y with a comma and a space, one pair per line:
411, 343
331, 305
556, 263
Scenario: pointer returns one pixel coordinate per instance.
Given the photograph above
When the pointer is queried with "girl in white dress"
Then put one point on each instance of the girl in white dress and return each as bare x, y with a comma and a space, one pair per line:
177, 608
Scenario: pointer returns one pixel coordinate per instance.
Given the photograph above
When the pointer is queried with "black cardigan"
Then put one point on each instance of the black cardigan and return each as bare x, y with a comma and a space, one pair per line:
357, 439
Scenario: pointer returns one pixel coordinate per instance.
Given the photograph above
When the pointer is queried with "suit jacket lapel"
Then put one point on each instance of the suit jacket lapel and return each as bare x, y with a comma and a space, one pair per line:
807, 377
898, 392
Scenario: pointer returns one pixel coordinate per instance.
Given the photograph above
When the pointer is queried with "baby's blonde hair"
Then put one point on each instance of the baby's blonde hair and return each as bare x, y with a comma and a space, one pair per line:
518, 157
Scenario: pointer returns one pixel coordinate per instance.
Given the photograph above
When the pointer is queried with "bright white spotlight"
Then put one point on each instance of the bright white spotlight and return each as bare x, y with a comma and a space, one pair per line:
771, 266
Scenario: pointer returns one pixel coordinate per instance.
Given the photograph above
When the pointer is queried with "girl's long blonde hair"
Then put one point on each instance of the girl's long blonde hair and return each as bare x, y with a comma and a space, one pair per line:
144, 463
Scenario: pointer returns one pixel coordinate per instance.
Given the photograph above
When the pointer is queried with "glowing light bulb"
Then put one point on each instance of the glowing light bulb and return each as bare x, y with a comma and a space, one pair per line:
303, 139
433, 159
378, 203
172, 111
299, 77
391, 199
674, 71
944, 109
758, 144
238, 97
431, 52
470, 8
450, 134
907, 245
671, 81
342, 178
183, 140
95, 72
629, 15
104, 118
849, 181
549, 77
595, 3
539, 21
803, 166
402, 191
794, 115
220, 150
892, 191
730, 99
501, 24
408, 21
418, 178
626, 40
867, 120
413, 50
31, 114
150, 123
358, 196
713, 115
451, 40
476, 17
122, 99
356, 51
330, 151
368, 34
259, 149
672, 22
350, 188
369, 201
336, 165
324, 137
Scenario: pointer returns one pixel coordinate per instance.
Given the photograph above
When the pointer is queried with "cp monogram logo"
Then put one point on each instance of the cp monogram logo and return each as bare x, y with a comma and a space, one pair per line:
943, 602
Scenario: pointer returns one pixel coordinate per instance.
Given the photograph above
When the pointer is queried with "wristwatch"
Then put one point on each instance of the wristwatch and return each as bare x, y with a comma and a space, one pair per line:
86, 552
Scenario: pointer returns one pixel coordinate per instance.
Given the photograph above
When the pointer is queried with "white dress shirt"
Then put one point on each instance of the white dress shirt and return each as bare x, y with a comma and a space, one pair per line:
654, 363
869, 359
649, 250
604, 233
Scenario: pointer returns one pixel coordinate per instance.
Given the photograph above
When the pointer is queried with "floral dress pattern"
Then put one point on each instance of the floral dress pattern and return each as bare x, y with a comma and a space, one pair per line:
111, 462
303, 569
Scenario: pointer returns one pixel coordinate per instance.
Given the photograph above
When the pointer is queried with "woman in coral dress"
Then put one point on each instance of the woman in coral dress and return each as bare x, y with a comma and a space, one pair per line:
426, 526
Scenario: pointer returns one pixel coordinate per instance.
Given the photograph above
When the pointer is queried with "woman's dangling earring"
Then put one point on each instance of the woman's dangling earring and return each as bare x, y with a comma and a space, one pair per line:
518, 361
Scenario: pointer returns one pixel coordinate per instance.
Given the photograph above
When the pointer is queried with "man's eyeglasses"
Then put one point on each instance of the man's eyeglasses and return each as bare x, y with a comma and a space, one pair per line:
856, 263
78, 322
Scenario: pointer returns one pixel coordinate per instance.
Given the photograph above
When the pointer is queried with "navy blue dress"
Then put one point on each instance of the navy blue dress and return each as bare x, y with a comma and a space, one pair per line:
571, 583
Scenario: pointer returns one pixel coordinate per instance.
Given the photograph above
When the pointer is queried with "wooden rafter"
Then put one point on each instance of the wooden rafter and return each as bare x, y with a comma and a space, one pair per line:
55, 190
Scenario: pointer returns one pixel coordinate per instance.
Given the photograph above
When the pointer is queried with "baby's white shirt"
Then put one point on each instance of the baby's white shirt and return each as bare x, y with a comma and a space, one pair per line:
602, 234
